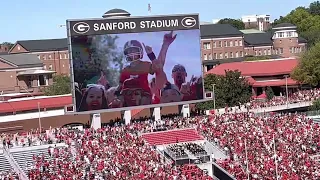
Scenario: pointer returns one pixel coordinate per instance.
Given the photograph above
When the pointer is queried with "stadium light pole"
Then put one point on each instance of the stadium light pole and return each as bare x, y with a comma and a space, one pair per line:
287, 96
39, 116
214, 97
275, 156
245, 147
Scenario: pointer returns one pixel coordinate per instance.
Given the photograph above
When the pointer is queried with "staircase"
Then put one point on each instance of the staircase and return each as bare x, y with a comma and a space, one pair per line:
25, 158
4, 163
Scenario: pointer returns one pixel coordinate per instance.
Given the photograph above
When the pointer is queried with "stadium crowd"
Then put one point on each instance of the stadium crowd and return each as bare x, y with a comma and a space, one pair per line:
11, 175
299, 96
118, 152
296, 138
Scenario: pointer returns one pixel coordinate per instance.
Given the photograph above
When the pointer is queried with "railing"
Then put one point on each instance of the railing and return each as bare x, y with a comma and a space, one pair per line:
313, 113
15, 165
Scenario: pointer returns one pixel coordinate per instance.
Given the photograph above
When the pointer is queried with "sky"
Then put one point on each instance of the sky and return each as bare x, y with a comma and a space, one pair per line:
184, 50
41, 19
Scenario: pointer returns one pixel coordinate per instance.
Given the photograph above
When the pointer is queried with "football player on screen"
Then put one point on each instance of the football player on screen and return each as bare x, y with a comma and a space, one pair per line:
133, 51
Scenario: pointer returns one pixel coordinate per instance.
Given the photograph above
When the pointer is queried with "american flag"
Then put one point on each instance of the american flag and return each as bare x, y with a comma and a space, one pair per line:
149, 7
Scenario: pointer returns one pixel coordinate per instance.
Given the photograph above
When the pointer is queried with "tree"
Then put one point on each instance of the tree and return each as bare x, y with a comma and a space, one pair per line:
9, 44
104, 55
237, 23
315, 105
230, 90
61, 85
314, 8
269, 93
308, 69
307, 21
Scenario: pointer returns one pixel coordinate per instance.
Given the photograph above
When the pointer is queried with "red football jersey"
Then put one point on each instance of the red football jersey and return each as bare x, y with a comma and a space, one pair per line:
140, 70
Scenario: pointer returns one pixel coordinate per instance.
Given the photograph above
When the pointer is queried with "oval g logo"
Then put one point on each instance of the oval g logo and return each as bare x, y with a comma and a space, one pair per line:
81, 28
188, 22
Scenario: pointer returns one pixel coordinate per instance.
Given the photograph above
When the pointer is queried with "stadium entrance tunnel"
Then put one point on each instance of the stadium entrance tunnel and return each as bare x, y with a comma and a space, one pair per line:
74, 125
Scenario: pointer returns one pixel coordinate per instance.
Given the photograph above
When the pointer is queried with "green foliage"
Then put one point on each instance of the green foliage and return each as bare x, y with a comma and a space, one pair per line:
256, 58
8, 44
229, 90
315, 105
237, 23
105, 56
269, 93
307, 21
308, 69
61, 85
314, 8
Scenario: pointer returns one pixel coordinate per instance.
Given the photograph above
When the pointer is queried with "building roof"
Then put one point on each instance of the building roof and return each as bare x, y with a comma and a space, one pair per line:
44, 45
35, 72
278, 82
250, 31
16, 105
219, 30
22, 60
284, 25
258, 39
258, 68
302, 40
116, 12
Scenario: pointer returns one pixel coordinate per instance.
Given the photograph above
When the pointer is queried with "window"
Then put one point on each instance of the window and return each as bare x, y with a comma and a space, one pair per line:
210, 56
214, 44
240, 43
219, 44
49, 57
231, 54
260, 53
205, 57
237, 54
241, 54
246, 53
44, 57
206, 45
51, 67
269, 51
42, 80
60, 56
265, 52
66, 56
290, 40
280, 41
29, 81
281, 34
39, 57
276, 51
280, 50
18, 48
215, 56
300, 49
226, 44
289, 34
235, 43
45, 67
291, 50
226, 55
256, 52
220, 56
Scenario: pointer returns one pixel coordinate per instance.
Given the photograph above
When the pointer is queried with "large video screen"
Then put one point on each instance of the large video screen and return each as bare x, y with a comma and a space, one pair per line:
147, 61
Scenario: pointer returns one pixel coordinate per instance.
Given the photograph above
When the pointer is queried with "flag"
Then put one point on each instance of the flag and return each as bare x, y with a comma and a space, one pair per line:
149, 7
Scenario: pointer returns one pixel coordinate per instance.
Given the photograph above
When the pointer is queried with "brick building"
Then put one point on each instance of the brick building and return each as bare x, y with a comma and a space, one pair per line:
23, 73
53, 53
260, 22
222, 43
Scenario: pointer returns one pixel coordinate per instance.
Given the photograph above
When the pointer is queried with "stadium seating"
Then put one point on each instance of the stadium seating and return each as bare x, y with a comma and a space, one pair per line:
4, 163
172, 136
